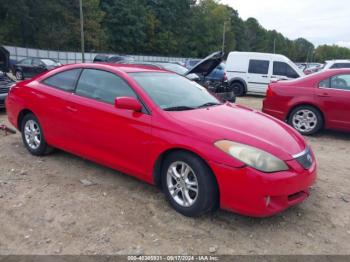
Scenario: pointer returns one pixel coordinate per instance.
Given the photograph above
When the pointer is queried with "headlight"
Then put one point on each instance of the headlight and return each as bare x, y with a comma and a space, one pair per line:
252, 156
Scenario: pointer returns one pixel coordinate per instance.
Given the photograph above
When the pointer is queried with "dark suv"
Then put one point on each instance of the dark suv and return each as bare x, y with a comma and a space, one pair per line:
5, 81
112, 59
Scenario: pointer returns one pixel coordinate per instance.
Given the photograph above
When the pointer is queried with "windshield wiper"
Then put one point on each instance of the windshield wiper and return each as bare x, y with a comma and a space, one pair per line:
209, 104
178, 108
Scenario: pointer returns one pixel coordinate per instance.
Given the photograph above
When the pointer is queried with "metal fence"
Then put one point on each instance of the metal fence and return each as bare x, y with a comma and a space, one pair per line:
64, 57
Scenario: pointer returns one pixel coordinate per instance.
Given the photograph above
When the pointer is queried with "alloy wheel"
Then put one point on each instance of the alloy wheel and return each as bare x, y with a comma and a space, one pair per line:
32, 134
304, 120
182, 183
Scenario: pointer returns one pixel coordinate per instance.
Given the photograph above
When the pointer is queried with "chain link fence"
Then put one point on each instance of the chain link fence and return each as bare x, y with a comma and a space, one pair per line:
64, 57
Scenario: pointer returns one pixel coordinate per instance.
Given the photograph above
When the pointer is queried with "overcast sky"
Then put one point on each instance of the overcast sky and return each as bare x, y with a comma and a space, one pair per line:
321, 22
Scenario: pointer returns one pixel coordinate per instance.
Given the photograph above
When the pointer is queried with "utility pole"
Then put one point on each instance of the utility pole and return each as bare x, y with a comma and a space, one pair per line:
82, 31
274, 46
223, 37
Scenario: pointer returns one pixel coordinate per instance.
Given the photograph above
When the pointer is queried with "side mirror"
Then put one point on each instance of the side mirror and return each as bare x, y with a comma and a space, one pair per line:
128, 103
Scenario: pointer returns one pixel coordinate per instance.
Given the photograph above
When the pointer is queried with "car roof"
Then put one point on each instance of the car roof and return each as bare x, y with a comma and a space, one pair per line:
338, 61
259, 55
325, 74
126, 68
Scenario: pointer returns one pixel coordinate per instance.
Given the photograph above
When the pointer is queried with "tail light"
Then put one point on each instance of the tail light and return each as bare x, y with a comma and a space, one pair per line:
269, 92
225, 77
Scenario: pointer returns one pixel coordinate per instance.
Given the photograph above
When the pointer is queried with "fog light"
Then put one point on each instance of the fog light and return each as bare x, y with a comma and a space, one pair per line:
267, 200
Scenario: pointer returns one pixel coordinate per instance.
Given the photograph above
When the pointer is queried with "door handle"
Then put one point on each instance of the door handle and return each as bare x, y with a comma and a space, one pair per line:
72, 109
264, 76
323, 95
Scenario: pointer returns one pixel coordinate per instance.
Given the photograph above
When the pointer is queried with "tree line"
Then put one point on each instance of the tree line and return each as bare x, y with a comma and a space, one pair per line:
188, 28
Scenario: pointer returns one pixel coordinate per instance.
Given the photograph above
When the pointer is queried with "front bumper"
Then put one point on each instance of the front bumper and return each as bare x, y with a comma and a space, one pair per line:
250, 192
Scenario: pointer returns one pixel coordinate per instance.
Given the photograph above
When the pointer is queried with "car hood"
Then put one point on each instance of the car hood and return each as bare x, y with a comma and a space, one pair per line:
242, 125
207, 65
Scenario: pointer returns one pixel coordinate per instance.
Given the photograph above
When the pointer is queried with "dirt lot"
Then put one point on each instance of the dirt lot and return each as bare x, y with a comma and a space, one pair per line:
45, 209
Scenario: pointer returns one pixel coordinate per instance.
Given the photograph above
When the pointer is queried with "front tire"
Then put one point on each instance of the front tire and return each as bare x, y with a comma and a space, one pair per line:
237, 88
33, 137
188, 184
306, 119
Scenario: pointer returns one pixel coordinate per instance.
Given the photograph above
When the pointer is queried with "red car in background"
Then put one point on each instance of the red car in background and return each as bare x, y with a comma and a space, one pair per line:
310, 103
169, 131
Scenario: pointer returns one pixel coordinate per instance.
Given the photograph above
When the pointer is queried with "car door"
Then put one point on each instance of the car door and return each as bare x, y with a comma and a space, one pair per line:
334, 96
259, 76
115, 137
51, 96
283, 71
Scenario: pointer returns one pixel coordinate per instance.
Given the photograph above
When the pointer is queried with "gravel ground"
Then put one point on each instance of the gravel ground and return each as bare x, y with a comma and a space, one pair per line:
46, 209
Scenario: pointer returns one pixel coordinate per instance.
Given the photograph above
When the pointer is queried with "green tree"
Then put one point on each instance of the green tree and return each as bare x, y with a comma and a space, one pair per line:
327, 52
49, 24
190, 28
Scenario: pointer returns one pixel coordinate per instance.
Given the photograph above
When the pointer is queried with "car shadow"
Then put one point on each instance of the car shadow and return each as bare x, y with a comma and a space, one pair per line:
332, 134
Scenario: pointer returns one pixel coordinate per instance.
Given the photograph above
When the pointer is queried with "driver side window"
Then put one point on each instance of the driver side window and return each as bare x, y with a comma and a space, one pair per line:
283, 69
102, 86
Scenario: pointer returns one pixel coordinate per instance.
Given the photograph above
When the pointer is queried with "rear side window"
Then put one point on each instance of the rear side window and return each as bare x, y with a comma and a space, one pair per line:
64, 81
259, 67
283, 69
37, 62
103, 86
324, 83
341, 82
340, 65
115, 59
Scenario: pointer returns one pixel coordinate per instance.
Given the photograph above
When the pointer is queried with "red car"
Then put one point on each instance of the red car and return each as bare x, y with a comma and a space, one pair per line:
169, 131
321, 100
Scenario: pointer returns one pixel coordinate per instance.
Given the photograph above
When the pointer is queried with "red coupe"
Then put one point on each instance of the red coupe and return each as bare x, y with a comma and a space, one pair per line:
321, 100
169, 131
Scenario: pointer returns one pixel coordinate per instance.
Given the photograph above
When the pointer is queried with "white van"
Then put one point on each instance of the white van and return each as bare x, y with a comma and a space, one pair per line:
252, 72
333, 64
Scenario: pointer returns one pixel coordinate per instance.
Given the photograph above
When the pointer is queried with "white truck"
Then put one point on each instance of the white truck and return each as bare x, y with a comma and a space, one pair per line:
252, 72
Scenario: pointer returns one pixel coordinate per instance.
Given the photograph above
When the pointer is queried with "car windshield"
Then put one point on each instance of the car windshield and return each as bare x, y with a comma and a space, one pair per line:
173, 92
49, 62
174, 68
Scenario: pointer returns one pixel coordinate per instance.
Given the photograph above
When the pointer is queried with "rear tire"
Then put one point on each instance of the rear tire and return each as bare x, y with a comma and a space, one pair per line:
191, 194
33, 136
307, 120
238, 88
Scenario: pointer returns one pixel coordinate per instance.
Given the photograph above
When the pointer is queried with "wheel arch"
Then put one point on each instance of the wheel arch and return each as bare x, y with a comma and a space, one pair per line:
157, 177
20, 117
239, 80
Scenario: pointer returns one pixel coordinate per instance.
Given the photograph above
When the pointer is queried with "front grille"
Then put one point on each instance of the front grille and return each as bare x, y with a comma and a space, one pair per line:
296, 195
305, 159
4, 90
5, 84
